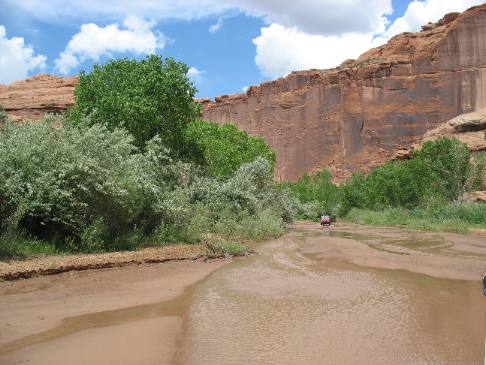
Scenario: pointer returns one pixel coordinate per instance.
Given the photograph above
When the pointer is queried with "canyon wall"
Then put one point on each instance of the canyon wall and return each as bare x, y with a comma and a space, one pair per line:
37, 95
358, 115
350, 118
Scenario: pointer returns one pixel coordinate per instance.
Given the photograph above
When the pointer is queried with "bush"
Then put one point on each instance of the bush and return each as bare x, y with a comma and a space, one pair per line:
476, 179
76, 185
150, 97
222, 149
437, 173
16, 245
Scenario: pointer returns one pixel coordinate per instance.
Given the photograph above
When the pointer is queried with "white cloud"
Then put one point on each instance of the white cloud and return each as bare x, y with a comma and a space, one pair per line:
16, 58
323, 17
281, 49
213, 28
195, 74
312, 16
297, 34
134, 36
193, 71
244, 89
419, 13
61, 11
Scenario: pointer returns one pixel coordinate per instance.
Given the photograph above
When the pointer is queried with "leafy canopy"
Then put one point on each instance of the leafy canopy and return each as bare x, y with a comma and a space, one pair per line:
222, 149
150, 97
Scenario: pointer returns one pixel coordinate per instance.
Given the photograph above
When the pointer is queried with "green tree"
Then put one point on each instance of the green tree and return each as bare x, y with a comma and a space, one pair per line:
222, 149
448, 160
150, 97
317, 188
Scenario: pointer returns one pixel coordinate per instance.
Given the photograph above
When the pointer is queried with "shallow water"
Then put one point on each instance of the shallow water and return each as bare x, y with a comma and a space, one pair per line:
287, 305
348, 295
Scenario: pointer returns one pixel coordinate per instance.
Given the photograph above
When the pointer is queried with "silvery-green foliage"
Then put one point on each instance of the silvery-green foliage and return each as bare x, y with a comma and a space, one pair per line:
55, 182
249, 191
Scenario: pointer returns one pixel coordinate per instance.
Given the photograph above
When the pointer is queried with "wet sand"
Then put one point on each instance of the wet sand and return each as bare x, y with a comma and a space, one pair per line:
130, 315
49, 265
352, 294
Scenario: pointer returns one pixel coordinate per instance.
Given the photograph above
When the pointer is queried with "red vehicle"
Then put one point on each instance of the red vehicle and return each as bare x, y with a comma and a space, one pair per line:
326, 220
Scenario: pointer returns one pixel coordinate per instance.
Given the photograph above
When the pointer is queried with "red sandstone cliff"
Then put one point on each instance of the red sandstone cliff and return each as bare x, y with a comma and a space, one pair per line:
358, 115
37, 95
350, 118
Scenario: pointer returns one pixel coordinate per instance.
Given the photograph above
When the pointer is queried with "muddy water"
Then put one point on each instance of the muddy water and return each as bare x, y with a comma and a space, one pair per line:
302, 301
349, 295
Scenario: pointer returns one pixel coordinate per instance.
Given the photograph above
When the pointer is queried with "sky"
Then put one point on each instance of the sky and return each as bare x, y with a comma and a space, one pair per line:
228, 44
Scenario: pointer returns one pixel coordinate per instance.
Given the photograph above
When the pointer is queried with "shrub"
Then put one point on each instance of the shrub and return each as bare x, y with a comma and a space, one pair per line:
222, 149
318, 193
70, 184
437, 173
150, 97
18, 245
447, 159
476, 179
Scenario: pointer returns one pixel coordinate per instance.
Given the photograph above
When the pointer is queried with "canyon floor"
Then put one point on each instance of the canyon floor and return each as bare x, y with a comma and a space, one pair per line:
350, 294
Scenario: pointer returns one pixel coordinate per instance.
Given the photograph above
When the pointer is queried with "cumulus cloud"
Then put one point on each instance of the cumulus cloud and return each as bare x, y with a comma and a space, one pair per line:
323, 17
213, 28
312, 16
281, 49
16, 58
419, 13
92, 41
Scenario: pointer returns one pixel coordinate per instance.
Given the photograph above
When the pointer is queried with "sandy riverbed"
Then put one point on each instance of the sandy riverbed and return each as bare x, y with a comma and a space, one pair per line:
129, 315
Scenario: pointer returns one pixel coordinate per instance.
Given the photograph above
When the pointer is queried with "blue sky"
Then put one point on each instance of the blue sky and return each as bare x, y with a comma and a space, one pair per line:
229, 45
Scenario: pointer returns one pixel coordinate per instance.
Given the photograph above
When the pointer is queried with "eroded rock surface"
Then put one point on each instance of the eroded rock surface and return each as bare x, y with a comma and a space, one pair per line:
37, 95
469, 128
360, 114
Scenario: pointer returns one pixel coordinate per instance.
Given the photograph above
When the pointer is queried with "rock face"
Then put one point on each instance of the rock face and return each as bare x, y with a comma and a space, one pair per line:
361, 113
468, 128
37, 95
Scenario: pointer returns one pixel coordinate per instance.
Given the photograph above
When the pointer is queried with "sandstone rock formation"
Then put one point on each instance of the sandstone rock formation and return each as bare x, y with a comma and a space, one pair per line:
37, 95
359, 114
469, 128
350, 118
